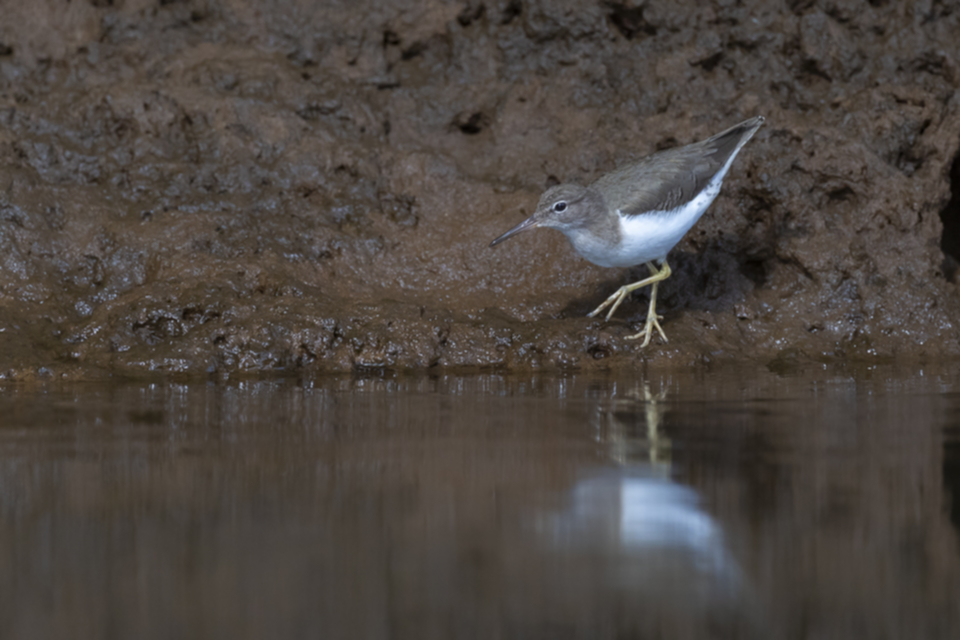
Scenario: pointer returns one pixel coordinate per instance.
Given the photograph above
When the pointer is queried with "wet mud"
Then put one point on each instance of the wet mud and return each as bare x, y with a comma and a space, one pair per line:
225, 187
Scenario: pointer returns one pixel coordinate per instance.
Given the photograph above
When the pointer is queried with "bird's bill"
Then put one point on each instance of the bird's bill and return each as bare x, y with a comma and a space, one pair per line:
529, 223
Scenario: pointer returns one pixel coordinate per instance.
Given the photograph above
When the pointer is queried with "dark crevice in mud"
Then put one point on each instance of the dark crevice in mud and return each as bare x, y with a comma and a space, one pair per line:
598, 352
390, 38
471, 14
755, 271
950, 216
810, 71
513, 9
799, 7
667, 143
629, 21
471, 123
841, 193
709, 63
314, 110
411, 52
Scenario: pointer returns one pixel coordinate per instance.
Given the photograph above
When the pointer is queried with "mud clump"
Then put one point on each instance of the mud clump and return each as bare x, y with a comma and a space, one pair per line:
223, 187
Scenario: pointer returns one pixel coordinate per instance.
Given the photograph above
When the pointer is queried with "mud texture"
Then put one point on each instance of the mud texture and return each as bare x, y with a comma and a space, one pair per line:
226, 187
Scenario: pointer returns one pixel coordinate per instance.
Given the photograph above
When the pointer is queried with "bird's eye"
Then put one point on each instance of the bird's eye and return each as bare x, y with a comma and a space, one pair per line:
560, 207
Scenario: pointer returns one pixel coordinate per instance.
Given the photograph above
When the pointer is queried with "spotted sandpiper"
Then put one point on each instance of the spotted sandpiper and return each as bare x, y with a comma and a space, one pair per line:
637, 213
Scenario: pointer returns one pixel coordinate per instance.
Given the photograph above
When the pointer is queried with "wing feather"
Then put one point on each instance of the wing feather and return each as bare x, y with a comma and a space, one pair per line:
671, 178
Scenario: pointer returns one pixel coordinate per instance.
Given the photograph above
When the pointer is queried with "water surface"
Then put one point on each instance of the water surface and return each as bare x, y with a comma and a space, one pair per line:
723, 504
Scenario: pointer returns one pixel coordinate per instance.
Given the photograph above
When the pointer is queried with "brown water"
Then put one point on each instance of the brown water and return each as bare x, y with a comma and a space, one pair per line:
735, 503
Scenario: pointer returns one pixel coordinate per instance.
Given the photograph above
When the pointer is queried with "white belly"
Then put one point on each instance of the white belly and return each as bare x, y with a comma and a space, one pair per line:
649, 236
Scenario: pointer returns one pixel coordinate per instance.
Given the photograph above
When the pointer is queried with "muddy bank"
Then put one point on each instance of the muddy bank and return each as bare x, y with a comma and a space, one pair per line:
230, 186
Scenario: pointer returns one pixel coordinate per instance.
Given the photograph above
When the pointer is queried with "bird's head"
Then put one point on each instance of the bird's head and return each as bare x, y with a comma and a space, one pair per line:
563, 207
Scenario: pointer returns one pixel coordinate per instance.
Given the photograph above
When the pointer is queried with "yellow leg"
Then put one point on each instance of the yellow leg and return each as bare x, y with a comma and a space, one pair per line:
653, 320
657, 275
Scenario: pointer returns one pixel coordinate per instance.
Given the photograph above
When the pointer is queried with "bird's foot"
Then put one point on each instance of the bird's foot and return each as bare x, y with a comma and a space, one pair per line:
653, 322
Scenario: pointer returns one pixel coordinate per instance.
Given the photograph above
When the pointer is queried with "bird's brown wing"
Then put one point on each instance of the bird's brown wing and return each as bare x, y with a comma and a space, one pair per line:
671, 178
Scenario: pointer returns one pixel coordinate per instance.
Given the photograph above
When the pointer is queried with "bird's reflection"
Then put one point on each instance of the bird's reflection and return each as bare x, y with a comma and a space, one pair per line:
616, 425
645, 534
643, 522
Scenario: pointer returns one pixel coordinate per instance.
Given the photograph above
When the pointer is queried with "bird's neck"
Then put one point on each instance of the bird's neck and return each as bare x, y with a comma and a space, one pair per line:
595, 239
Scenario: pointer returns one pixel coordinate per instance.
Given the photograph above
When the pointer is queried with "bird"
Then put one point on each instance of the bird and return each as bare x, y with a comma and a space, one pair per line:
638, 212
